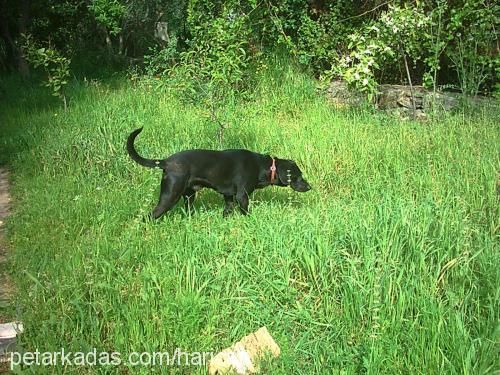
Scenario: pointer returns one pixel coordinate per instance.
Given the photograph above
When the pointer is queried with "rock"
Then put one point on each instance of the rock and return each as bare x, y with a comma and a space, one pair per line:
397, 96
397, 99
341, 95
444, 101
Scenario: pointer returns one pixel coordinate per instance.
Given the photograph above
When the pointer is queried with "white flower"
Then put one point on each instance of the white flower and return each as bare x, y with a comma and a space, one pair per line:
366, 70
356, 75
370, 63
348, 59
395, 29
365, 82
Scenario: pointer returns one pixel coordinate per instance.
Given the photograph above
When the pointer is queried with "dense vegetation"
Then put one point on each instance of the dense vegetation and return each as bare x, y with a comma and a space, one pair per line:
438, 43
389, 265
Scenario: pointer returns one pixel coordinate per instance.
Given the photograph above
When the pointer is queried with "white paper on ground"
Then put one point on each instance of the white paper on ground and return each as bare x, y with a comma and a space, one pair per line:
10, 330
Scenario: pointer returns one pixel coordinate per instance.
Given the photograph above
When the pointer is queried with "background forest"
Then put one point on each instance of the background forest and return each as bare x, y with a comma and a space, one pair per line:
440, 44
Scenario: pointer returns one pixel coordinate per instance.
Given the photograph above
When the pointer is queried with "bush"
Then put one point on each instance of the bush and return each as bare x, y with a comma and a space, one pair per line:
55, 65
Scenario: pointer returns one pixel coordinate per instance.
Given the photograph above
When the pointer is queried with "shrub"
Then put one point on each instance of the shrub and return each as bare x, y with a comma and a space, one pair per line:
55, 65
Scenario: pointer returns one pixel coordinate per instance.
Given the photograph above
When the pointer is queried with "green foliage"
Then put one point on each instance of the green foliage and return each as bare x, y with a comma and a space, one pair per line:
64, 23
218, 48
397, 33
55, 65
217, 63
403, 27
321, 35
109, 13
423, 33
160, 60
435, 40
358, 67
431, 42
474, 27
332, 42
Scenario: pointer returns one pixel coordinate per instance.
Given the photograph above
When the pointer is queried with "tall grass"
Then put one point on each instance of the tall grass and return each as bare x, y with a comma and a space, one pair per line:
389, 265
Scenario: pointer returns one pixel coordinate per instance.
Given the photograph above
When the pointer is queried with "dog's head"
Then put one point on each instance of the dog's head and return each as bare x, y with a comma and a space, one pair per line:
290, 174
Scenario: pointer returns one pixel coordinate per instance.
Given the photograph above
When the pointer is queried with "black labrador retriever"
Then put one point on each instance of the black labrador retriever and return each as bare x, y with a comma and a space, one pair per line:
232, 173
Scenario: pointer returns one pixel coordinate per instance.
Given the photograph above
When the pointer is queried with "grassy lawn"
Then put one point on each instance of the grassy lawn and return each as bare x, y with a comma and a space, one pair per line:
389, 265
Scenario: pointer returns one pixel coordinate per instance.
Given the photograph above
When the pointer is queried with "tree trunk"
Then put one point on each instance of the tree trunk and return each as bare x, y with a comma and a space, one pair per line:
120, 47
14, 54
23, 22
107, 37
410, 83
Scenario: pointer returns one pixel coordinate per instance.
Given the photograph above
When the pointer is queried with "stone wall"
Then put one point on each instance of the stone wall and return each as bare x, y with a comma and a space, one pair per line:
397, 99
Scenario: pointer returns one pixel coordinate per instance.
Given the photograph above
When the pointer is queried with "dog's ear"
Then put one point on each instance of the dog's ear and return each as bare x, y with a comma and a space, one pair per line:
284, 169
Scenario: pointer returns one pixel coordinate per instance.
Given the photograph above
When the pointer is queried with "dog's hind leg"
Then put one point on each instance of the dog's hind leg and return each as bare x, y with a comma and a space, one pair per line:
228, 208
171, 190
242, 199
189, 196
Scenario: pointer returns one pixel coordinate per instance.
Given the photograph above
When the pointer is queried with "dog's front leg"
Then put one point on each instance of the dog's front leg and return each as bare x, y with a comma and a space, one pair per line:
228, 208
242, 199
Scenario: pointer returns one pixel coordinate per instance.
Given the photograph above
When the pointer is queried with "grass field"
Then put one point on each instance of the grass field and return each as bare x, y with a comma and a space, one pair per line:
389, 265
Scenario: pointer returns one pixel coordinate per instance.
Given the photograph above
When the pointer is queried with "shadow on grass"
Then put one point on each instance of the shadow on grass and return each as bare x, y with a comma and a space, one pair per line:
16, 96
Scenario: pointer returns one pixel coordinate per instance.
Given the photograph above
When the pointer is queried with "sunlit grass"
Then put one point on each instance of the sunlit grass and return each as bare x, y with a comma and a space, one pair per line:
389, 265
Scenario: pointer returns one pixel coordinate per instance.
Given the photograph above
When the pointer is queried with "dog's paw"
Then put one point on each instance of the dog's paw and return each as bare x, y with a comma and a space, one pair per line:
148, 218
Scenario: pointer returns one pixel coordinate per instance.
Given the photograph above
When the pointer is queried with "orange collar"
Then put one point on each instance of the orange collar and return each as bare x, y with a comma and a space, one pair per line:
273, 171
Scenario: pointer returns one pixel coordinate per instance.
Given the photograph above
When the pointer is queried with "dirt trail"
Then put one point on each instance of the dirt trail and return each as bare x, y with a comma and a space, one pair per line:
6, 287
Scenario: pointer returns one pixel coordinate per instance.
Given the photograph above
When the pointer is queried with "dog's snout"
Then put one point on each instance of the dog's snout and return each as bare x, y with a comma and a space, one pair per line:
307, 187
301, 186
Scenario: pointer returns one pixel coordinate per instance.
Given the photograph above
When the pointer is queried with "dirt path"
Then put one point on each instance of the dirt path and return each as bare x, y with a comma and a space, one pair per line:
6, 287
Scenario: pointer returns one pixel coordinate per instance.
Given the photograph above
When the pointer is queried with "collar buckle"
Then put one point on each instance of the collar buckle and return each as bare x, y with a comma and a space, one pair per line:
273, 171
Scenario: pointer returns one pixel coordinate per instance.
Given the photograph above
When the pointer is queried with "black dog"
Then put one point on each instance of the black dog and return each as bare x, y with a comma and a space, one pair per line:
232, 173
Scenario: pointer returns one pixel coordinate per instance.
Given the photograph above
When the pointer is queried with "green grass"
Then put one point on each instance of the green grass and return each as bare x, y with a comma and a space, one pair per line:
351, 277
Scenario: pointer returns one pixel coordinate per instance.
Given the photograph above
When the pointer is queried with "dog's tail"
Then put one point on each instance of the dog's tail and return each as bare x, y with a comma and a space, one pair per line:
150, 163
